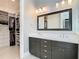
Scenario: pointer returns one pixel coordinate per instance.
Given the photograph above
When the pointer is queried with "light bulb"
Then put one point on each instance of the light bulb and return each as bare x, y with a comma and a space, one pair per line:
44, 9
36, 11
69, 2
13, 0
63, 2
57, 4
40, 10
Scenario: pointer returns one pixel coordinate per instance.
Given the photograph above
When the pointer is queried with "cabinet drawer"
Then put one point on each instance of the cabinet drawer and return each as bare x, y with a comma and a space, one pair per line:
63, 44
46, 46
45, 55
45, 49
45, 42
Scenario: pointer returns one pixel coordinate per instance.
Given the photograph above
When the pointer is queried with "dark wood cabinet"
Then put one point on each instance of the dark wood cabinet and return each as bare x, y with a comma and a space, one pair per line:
34, 46
57, 53
48, 49
71, 53
45, 49
12, 38
63, 50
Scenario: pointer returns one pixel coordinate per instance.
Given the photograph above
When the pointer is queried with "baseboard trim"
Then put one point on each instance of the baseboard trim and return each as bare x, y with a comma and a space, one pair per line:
30, 56
26, 54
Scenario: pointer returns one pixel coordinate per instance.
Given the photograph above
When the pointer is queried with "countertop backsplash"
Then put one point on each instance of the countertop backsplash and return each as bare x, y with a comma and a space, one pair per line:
58, 36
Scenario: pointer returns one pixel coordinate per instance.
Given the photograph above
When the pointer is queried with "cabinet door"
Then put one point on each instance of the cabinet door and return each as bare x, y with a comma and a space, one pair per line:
34, 46
71, 52
12, 38
57, 50
63, 50
57, 53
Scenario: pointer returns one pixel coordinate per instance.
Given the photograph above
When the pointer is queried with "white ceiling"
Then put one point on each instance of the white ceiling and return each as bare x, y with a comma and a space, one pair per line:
39, 3
9, 6
48, 0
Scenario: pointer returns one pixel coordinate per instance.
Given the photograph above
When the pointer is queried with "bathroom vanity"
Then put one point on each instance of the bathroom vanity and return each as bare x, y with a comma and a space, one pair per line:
54, 46
51, 49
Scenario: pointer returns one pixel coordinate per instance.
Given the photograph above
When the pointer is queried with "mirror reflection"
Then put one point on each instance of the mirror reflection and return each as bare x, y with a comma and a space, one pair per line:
61, 20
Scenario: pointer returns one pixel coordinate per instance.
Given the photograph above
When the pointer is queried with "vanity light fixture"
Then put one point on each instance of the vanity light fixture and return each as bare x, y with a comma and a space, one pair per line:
69, 2
13, 0
37, 11
57, 4
63, 2
41, 10
44, 9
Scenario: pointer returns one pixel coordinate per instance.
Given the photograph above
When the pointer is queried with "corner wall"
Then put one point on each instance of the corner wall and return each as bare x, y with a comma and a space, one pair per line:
26, 25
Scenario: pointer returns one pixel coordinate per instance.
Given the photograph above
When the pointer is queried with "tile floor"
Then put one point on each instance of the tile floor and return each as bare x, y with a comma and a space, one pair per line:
29, 56
9, 52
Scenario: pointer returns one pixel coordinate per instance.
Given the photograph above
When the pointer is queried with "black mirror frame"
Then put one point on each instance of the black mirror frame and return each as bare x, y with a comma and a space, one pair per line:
70, 17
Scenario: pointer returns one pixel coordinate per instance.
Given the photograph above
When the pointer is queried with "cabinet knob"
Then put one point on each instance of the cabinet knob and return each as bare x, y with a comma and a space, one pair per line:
45, 50
45, 46
45, 41
45, 56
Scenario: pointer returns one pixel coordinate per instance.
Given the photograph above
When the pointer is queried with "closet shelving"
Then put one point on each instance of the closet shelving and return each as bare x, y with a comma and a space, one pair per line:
17, 31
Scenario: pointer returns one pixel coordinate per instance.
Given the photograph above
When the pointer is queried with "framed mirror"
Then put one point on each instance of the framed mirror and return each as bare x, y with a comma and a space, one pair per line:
59, 20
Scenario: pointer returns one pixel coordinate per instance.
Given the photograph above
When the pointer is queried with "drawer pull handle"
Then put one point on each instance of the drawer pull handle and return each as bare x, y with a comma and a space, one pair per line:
45, 50
45, 56
45, 46
45, 41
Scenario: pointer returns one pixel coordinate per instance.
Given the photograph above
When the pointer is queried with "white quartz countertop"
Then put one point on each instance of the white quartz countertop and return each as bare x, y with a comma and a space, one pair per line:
70, 38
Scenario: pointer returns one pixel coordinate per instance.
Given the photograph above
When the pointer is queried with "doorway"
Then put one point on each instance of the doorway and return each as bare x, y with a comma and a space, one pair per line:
9, 29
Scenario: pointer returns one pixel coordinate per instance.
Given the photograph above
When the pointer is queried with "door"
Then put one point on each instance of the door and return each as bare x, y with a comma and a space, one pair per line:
12, 30
71, 52
12, 38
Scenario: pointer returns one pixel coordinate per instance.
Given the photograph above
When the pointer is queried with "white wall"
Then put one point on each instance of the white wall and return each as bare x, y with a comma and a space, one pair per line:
21, 28
78, 18
9, 6
27, 17
52, 8
75, 16
28, 23
4, 35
